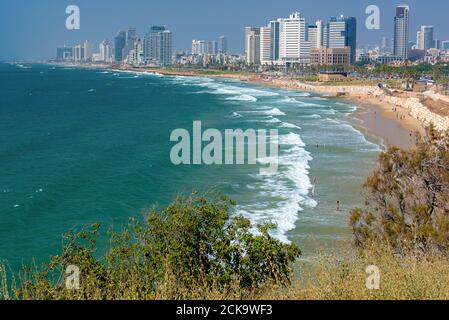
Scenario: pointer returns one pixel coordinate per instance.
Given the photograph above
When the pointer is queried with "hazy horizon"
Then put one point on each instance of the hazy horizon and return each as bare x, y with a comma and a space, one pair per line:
33, 30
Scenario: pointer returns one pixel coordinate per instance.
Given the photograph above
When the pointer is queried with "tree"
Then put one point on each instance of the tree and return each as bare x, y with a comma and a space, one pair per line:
192, 247
407, 198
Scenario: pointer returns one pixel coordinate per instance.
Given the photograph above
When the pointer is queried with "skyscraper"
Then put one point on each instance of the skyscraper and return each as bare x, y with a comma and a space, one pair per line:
212, 47
105, 51
265, 45
445, 45
342, 32
119, 45
316, 35
401, 31
252, 45
131, 37
425, 39
151, 43
294, 47
274, 42
165, 48
78, 53
87, 50
223, 45
199, 47
131, 34
64, 53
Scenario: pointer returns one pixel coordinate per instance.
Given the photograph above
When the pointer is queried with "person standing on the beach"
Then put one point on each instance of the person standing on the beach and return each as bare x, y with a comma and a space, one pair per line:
338, 206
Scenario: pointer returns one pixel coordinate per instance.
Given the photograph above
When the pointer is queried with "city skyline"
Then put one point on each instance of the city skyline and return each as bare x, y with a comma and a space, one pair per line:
192, 23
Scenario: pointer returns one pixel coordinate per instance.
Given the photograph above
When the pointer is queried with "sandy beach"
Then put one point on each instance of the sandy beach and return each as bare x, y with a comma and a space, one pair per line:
378, 119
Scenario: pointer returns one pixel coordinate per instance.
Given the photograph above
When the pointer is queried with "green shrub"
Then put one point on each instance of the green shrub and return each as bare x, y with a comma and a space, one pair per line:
190, 249
407, 198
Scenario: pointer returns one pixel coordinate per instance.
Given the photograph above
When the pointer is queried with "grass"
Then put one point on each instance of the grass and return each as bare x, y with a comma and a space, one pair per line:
327, 276
332, 277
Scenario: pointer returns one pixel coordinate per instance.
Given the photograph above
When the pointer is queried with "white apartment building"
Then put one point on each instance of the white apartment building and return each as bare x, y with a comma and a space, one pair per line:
105, 51
294, 47
199, 47
265, 45
252, 45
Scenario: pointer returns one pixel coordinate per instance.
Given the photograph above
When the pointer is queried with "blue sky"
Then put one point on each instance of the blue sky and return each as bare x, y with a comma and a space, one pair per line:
32, 29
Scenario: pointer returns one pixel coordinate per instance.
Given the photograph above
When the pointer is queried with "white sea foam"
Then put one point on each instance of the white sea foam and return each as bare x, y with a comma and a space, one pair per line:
289, 126
288, 189
311, 116
274, 112
235, 115
243, 97
269, 119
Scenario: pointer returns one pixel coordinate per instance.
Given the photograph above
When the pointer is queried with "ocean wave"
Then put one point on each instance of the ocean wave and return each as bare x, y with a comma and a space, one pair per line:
287, 189
235, 115
291, 139
243, 97
269, 119
289, 126
274, 112
269, 111
311, 116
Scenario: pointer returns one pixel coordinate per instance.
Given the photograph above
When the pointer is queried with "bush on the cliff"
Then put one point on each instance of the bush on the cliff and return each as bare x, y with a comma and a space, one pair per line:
188, 250
407, 198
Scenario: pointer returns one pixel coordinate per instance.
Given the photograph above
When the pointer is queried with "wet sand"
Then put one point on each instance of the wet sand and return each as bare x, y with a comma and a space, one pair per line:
391, 124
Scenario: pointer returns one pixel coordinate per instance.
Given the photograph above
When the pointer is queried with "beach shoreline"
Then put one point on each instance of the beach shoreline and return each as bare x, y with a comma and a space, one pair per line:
376, 116
377, 119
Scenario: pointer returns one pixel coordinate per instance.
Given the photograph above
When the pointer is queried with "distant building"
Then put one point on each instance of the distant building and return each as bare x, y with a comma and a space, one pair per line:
199, 47
135, 55
341, 33
389, 59
445, 45
416, 54
131, 37
87, 51
119, 45
275, 40
437, 44
252, 45
332, 76
330, 56
401, 31
105, 51
212, 48
131, 34
64, 53
316, 35
78, 53
265, 45
158, 46
223, 45
151, 43
294, 47
424, 38
165, 48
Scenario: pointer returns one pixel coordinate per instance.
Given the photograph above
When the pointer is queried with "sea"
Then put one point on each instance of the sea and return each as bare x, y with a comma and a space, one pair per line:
80, 146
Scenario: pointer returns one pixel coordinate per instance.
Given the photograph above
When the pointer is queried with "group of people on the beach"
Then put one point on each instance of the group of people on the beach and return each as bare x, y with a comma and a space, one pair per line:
398, 115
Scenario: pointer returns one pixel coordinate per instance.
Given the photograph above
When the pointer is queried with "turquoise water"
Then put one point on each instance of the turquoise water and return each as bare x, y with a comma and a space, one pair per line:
80, 146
